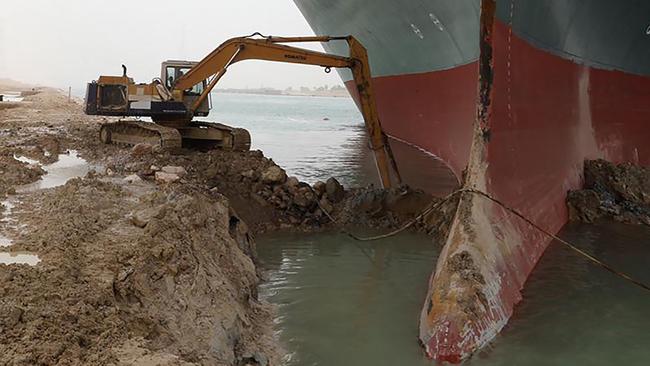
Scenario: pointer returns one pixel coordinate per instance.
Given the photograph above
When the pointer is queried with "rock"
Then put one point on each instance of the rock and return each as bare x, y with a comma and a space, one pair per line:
292, 185
250, 174
142, 217
131, 167
157, 149
584, 206
319, 188
619, 192
305, 198
177, 170
326, 205
259, 199
266, 193
154, 168
334, 189
133, 178
256, 153
292, 182
166, 177
274, 175
109, 172
142, 149
10, 316
301, 201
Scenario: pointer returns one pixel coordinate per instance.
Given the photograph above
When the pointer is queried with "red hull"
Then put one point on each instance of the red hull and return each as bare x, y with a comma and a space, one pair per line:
437, 119
546, 116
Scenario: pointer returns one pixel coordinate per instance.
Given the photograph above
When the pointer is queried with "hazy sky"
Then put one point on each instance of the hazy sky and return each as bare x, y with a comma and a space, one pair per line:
70, 42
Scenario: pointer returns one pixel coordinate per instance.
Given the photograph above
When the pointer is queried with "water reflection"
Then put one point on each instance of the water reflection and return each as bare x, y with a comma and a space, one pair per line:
19, 258
68, 166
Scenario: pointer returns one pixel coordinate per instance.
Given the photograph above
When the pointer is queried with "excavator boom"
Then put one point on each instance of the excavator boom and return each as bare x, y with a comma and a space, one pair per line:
215, 65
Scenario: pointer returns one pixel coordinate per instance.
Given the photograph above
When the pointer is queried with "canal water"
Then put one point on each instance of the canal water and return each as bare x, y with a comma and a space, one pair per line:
312, 137
341, 302
315, 138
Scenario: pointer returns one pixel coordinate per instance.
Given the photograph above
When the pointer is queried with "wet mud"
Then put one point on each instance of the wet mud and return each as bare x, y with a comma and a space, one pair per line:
615, 192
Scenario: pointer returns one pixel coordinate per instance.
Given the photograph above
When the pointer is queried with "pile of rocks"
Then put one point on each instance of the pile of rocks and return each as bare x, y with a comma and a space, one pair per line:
267, 199
301, 203
619, 192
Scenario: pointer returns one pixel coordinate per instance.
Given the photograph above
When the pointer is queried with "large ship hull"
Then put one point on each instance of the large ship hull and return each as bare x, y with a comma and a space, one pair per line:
423, 57
546, 85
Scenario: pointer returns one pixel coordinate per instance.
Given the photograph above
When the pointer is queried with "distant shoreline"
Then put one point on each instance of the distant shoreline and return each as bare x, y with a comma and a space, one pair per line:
337, 93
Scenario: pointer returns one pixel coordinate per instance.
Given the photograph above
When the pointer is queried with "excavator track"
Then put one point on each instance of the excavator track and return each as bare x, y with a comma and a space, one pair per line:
225, 137
135, 132
241, 139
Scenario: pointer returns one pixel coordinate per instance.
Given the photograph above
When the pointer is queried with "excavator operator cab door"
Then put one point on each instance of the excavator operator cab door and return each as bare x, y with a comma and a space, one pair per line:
172, 71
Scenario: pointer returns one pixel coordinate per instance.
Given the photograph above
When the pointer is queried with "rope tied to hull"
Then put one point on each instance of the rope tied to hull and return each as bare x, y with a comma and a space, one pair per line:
436, 204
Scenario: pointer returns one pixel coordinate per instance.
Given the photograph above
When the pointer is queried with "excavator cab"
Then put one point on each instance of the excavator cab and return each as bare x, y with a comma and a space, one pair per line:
171, 71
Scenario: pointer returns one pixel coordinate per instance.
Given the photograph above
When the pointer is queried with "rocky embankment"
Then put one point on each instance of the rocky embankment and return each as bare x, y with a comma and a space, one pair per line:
150, 259
266, 198
618, 192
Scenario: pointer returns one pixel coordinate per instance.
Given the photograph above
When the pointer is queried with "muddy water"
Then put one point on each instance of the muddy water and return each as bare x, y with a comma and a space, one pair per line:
68, 166
310, 137
11, 97
19, 258
345, 303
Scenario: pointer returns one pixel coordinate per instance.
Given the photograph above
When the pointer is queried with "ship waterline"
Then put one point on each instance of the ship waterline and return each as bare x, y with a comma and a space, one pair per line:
556, 87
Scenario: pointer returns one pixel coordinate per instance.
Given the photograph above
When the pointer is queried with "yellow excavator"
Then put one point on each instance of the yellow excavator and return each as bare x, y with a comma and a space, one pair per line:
183, 89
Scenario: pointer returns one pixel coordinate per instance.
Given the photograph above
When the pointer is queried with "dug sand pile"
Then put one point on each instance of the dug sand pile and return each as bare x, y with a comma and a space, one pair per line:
268, 199
128, 274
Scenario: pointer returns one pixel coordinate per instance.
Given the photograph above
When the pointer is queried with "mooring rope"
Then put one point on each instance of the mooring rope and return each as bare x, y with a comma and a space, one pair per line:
437, 203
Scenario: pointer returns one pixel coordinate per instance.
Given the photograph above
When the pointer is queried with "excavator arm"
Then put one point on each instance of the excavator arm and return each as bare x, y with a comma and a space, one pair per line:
214, 66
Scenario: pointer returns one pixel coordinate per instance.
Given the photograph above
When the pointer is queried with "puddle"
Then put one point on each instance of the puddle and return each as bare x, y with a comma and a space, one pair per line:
68, 166
12, 97
7, 206
19, 258
26, 160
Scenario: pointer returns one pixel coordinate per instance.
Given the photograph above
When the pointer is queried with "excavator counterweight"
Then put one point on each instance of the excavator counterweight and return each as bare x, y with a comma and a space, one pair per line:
183, 92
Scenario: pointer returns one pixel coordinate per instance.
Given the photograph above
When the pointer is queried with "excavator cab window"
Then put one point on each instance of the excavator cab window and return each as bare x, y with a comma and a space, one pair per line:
176, 72
171, 77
